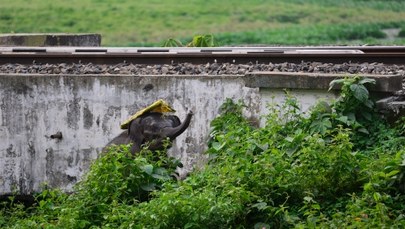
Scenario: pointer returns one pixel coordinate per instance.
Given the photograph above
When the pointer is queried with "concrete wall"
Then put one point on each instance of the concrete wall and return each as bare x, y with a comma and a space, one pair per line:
51, 39
88, 110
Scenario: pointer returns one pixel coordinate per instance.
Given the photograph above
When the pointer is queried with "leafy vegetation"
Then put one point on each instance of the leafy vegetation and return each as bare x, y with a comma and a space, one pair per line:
338, 166
148, 23
197, 41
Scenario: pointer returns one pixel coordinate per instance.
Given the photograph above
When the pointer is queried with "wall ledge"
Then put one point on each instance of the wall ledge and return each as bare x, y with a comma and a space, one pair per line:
272, 80
294, 80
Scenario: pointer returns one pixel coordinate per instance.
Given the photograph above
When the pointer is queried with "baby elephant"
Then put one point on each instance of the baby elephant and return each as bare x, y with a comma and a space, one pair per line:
152, 128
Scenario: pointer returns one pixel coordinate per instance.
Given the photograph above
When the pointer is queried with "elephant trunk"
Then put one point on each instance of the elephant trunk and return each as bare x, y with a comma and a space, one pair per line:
172, 133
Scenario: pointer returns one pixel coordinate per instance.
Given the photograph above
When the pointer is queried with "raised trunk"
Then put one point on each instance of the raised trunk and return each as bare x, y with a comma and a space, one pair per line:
173, 132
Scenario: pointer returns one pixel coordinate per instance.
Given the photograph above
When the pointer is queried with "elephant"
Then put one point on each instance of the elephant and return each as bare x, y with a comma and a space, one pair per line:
152, 128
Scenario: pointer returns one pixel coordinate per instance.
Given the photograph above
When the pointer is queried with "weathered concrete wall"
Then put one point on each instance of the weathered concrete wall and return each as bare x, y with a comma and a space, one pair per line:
88, 110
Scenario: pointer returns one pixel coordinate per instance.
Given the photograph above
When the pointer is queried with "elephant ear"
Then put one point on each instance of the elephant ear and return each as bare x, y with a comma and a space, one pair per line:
175, 120
159, 106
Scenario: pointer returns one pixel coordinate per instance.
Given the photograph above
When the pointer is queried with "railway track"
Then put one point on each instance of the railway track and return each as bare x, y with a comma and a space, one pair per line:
235, 55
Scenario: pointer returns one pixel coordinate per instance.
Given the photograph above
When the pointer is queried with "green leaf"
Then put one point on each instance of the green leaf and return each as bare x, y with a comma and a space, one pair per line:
217, 146
148, 169
351, 116
172, 43
392, 173
209, 40
363, 130
360, 92
289, 139
190, 225
316, 206
343, 119
377, 196
368, 187
368, 103
160, 176
202, 41
160, 171
366, 115
403, 162
260, 205
263, 147
148, 187
334, 82
367, 80
321, 126
327, 123
308, 199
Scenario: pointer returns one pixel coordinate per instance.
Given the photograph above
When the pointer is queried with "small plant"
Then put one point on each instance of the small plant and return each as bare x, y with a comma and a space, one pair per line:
354, 109
203, 41
171, 42
354, 101
197, 41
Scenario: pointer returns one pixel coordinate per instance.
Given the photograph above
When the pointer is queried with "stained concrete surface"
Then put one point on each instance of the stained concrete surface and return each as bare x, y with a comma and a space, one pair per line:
50, 39
88, 111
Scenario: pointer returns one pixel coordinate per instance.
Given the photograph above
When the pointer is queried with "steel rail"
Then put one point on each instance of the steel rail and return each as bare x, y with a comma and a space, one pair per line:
237, 55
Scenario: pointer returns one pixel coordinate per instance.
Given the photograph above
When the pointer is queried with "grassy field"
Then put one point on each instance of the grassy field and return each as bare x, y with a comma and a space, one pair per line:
149, 22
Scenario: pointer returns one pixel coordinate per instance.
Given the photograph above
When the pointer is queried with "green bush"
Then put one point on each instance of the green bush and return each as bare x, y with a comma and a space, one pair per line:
207, 40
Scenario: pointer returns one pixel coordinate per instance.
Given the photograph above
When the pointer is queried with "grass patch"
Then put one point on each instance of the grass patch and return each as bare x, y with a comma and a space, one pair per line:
312, 35
149, 23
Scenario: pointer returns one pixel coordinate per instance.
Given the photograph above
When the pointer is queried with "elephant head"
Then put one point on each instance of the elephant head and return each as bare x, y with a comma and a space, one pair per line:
152, 128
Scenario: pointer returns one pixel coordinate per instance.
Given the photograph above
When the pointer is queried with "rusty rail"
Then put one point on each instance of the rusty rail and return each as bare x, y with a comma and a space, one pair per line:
237, 55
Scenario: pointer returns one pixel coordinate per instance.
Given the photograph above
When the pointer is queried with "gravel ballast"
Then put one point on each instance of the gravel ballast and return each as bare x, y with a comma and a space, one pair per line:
203, 69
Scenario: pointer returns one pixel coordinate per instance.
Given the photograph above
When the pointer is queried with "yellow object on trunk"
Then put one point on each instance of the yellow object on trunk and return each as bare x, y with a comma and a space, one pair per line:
158, 106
